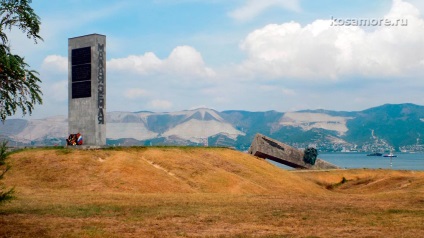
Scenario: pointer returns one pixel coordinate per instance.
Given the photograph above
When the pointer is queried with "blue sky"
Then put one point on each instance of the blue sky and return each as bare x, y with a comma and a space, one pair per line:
256, 55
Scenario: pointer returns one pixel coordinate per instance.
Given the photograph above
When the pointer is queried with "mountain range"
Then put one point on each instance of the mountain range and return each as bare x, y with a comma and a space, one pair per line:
382, 128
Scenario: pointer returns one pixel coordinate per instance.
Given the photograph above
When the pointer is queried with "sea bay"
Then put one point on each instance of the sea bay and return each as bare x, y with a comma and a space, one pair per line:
353, 160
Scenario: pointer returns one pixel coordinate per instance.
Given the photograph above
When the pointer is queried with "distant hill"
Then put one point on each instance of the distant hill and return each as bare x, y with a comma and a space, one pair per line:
399, 125
390, 126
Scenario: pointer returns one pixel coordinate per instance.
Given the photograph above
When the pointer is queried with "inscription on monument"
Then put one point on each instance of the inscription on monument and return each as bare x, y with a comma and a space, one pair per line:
81, 72
101, 87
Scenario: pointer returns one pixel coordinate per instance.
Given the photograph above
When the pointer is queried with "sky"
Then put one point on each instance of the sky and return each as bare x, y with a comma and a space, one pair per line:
253, 55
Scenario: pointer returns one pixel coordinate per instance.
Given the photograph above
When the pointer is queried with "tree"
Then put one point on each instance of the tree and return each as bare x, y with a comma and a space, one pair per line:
18, 84
4, 167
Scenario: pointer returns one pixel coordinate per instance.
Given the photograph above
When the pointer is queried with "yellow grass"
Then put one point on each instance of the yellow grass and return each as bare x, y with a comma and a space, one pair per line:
206, 192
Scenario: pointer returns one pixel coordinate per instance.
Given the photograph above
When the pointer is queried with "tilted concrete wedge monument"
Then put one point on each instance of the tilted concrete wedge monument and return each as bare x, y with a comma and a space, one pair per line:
87, 88
267, 148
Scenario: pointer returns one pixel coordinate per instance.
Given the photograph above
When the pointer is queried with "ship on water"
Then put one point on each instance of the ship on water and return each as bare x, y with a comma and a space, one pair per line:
390, 154
375, 154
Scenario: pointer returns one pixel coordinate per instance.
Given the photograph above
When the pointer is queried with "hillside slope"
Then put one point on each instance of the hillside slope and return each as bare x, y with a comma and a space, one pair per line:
151, 170
201, 192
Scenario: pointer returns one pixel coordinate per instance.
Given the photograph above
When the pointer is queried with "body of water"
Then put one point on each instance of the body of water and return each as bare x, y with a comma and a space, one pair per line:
403, 161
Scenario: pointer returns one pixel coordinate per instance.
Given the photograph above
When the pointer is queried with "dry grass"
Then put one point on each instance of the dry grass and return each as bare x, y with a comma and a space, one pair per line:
192, 192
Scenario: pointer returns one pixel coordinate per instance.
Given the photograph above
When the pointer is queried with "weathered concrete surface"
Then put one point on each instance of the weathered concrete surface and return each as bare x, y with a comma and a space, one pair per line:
267, 148
87, 112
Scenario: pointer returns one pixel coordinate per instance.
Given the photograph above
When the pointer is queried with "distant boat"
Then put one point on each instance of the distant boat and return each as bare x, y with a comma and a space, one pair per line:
375, 154
390, 155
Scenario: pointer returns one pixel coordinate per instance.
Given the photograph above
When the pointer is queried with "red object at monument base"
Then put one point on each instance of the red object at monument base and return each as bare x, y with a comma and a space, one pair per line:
74, 139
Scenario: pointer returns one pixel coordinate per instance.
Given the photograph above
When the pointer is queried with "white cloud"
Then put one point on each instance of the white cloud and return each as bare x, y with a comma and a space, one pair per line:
288, 92
160, 104
59, 90
401, 9
418, 4
321, 51
140, 79
134, 93
55, 63
142, 64
184, 61
253, 8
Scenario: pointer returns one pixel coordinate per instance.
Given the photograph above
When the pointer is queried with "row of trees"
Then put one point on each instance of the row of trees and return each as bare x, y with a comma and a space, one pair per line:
19, 85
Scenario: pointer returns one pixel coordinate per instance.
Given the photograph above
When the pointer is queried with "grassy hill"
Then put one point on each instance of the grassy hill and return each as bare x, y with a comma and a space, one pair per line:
143, 170
212, 192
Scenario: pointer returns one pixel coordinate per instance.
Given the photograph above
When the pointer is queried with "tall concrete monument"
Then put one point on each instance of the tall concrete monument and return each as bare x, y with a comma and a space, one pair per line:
87, 88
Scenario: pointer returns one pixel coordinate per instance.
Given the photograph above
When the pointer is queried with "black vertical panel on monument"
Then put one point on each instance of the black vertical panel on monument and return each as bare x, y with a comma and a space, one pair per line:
81, 72
81, 89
